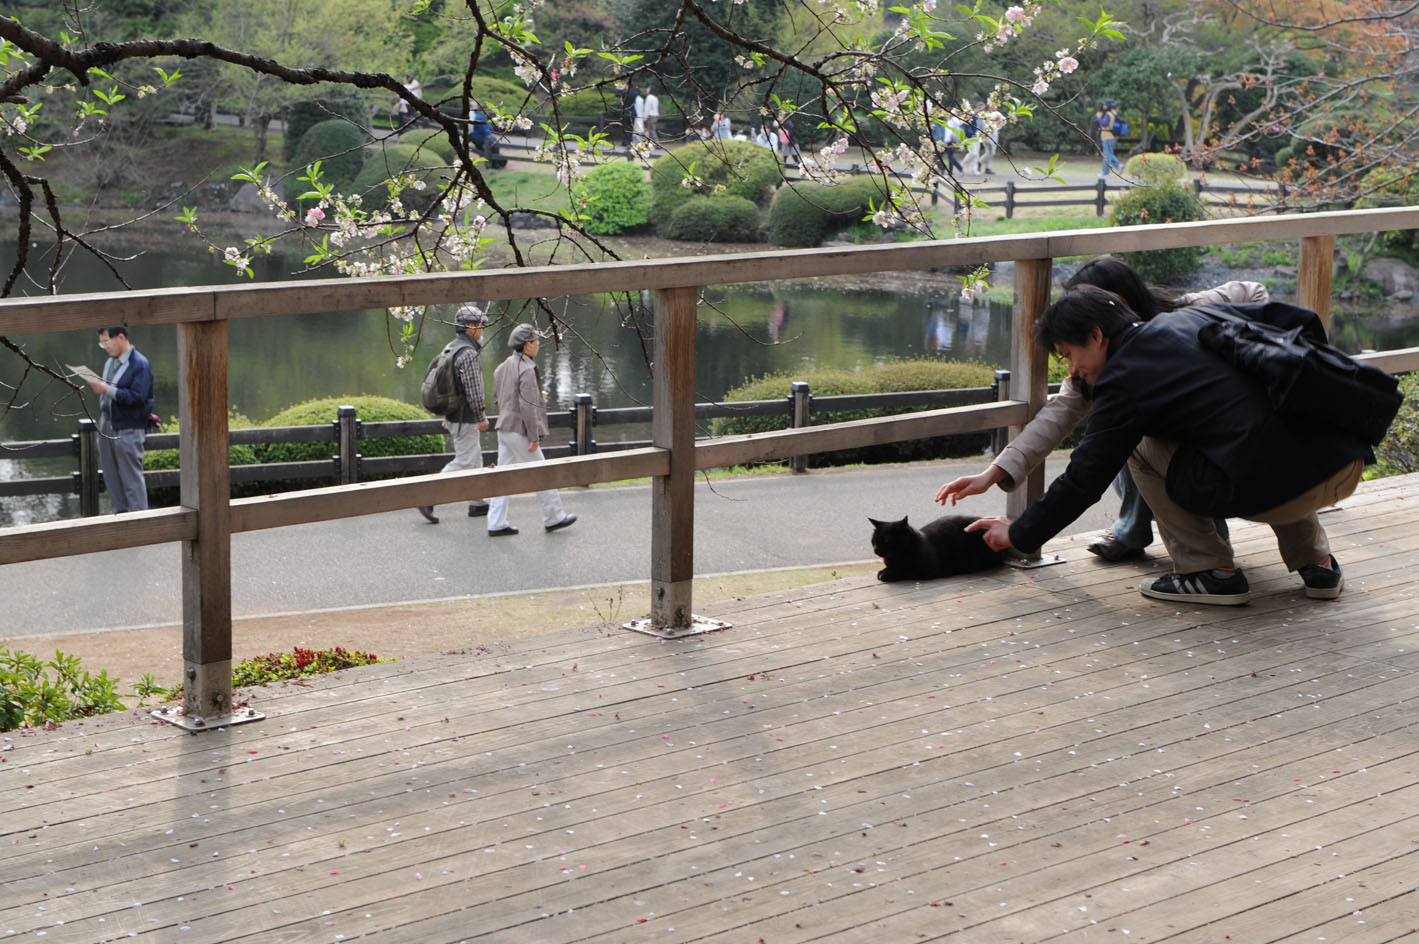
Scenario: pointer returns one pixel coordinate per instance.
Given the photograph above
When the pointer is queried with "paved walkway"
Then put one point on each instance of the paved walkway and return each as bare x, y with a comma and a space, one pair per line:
751, 523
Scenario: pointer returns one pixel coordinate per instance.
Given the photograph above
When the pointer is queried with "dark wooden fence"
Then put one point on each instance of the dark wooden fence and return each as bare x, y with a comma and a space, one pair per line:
347, 431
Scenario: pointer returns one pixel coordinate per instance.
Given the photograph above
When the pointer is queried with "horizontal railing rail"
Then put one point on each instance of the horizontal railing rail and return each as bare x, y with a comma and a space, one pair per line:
208, 516
87, 479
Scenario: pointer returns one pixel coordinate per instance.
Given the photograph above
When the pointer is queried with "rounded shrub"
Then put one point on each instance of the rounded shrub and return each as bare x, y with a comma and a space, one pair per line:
431, 142
616, 198
396, 160
370, 410
1163, 203
803, 214
891, 377
349, 104
721, 219
340, 148
1399, 453
730, 168
1153, 168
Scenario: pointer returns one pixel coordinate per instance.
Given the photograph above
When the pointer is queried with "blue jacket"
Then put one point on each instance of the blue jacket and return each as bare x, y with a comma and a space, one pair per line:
132, 394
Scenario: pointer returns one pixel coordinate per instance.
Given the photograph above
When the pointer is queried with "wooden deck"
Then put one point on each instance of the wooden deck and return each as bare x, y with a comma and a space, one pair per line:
1020, 756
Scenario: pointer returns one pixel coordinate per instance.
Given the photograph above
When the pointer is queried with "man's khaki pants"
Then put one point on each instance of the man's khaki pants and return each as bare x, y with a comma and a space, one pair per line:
1192, 540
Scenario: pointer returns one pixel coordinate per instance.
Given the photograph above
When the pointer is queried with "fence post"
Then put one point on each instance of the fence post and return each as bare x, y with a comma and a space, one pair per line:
799, 408
347, 437
1029, 368
86, 447
1101, 187
1000, 436
1009, 199
583, 415
205, 487
1314, 273
672, 518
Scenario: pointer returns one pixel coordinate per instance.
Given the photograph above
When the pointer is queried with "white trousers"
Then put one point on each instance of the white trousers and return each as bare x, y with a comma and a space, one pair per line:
512, 449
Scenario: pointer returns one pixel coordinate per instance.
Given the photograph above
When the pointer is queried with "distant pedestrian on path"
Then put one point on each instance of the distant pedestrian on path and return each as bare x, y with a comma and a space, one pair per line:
522, 423
125, 403
1107, 119
652, 115
470, 419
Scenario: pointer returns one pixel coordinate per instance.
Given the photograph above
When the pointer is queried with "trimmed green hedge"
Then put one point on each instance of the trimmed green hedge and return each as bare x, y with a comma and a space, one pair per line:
302, 116
161, 459
338, 145
1162, 203
804, 213
370, 410
391, 161
721, 219
728, 168
893, 377
617, 198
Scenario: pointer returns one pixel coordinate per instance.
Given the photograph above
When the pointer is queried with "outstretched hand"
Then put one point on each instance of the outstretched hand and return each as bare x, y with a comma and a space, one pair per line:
996, 531
969, 485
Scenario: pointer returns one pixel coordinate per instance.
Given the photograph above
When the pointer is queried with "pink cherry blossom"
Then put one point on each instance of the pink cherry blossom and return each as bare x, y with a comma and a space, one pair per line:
1068, 64
1015, 14
313, 216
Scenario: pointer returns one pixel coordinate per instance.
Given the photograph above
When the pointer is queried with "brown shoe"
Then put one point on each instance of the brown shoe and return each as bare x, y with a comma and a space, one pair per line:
1113, 550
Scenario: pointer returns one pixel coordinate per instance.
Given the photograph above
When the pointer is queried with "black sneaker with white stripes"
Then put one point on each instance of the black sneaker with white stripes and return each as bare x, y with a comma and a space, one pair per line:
1205, 586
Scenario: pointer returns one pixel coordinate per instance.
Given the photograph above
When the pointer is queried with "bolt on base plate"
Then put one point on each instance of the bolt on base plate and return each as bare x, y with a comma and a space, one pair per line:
698, 624
1025, 563
206, 722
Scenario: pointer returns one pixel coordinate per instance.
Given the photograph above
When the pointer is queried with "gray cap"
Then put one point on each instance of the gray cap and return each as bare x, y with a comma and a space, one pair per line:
522, 334
468, 314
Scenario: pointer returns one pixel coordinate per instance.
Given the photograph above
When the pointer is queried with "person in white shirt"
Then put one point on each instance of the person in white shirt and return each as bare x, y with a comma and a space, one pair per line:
652, 114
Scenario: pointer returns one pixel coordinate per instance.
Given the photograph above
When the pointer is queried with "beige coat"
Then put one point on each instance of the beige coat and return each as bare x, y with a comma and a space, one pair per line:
1067, 409
518, 391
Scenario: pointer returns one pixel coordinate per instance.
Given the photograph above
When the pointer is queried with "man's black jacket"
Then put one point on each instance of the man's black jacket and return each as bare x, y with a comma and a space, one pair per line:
1235, 457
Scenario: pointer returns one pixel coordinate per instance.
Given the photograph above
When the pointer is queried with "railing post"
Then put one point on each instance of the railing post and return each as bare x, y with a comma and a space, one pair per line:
205, 487
800, 405
1009, 199
1101, 188
1000, 436
672, 528
583, 415
86, 448
1314, 273
347, 437
1029, 367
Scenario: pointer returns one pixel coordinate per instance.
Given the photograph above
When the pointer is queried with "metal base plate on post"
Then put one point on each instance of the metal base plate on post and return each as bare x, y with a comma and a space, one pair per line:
698, 624
1026, 563
206, 722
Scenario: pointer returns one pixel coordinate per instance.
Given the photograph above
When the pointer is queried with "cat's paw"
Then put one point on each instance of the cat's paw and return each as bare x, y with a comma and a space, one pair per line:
883, 575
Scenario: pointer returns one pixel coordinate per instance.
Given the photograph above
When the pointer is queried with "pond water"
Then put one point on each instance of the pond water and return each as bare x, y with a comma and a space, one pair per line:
744, 332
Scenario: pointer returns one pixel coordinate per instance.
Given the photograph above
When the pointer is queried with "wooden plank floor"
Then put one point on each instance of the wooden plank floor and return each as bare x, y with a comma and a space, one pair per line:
1020, 756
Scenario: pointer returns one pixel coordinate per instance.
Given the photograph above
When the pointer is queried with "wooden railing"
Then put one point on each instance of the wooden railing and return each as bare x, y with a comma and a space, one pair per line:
346, 431
207, 516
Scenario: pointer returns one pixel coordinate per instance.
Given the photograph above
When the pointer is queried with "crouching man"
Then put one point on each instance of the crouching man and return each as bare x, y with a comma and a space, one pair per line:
1202, 441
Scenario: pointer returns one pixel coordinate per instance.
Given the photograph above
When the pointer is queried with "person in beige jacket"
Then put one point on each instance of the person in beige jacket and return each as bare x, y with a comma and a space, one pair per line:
522, 424
1132, 530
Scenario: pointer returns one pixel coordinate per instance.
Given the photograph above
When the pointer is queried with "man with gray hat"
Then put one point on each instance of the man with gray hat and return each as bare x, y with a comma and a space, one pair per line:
470, 419
522, 423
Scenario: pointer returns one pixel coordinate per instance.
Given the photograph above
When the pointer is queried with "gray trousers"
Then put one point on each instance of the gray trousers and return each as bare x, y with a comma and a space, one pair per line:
1193, 541
121, 459
467, 451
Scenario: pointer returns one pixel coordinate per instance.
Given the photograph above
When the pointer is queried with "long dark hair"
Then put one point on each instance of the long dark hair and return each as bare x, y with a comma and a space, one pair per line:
1115, 275
1077, 313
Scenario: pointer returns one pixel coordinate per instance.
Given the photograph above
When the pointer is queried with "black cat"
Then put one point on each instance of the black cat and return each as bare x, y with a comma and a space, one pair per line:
941, 549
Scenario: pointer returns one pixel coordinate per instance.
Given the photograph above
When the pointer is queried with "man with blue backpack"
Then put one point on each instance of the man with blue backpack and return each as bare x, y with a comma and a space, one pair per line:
1110, 129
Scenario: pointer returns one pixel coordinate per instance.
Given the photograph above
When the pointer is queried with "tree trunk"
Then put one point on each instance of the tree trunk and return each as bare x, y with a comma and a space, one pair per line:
259, 126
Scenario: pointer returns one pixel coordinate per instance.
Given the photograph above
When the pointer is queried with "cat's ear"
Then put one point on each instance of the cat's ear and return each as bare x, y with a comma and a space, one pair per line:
876, 523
